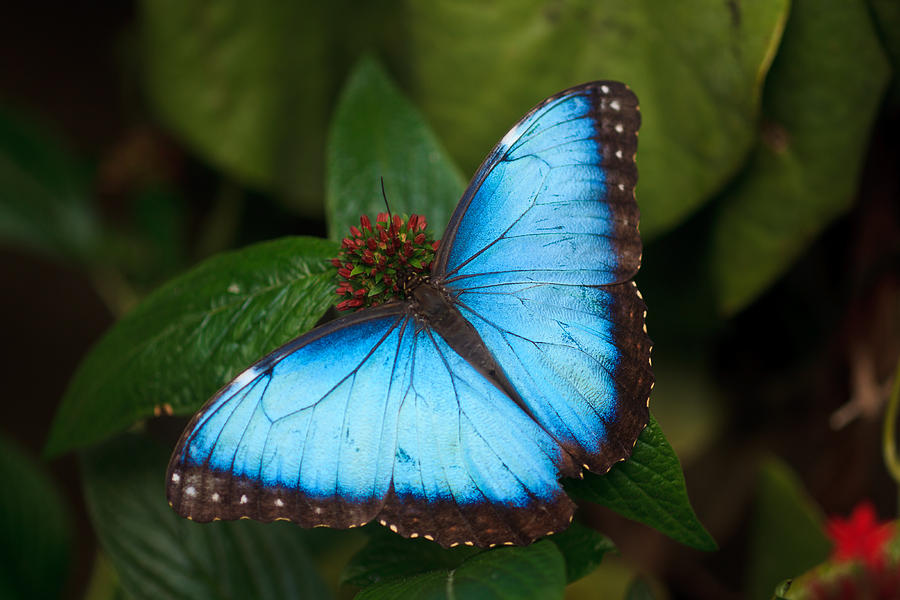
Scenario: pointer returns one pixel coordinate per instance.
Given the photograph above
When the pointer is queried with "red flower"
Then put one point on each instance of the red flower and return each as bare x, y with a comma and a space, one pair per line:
859, 537
380, 262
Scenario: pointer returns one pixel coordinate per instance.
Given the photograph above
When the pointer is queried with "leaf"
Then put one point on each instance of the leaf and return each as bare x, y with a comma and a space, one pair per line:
786, 536
821, 98
583, 549
648, 488
34, 527
191, 336
376, 133
697, 67
536, 571
245, 85
44, 201
388, 556
640, 590
157, 554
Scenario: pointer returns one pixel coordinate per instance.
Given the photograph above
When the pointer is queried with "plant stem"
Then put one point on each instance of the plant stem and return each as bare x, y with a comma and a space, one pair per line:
889, 437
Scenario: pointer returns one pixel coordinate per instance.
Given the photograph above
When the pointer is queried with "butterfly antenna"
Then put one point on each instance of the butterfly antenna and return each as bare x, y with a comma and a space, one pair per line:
388, 207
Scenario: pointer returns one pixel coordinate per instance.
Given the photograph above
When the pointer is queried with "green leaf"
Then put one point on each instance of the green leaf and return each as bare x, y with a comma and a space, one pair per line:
34, 529
640, 590
377, 133
697, 67
820, 100
648, 488
191, 336
536, 571
583, 549
44, 200
246, 85
786, 535
388, 556
157, 554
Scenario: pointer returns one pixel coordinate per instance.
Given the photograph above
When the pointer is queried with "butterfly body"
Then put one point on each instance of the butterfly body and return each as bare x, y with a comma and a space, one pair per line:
452, 413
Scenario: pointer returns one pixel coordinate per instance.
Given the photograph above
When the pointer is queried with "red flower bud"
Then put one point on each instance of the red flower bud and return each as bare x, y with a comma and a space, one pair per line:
366, 224
354, 231
420, 238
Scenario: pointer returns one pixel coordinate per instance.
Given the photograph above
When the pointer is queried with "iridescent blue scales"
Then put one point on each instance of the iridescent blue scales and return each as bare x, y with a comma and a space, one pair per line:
453, 414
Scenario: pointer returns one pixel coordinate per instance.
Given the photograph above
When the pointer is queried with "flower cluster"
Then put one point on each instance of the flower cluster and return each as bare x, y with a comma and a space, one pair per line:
864, 563
376, 264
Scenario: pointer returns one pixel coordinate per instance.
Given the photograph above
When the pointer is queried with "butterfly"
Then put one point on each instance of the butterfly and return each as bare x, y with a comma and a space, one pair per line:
453, 414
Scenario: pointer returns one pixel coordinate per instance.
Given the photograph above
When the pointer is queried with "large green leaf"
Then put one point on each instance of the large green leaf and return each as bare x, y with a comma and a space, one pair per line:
388, 556
582, 548
536, 571
246, 85
157, 554
192, 335
820, 100
648, 488
34, 529
377, 133
44, 200
786, 536
697, 67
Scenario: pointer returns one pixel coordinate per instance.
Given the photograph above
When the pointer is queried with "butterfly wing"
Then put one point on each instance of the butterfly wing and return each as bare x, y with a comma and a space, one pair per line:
370, 417
538, 255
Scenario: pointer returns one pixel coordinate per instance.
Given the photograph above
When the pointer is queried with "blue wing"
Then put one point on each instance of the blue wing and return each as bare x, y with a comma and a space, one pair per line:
538, 256
370, 417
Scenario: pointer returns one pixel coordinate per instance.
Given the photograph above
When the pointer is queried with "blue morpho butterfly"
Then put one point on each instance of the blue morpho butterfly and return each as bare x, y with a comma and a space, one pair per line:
452, 414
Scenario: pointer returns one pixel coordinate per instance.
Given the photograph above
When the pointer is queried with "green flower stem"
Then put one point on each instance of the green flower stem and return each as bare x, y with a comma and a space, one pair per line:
889, 438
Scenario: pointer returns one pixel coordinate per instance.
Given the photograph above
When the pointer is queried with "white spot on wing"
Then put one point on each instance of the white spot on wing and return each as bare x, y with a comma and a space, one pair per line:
176, 477
245, 378
619, 128
604, 89
190, 491
278, 502
618, 154
511, 136
615, 105
215, 497
244, 499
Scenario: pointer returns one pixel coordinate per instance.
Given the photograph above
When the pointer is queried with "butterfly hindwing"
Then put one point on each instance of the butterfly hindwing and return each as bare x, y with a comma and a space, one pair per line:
372, 418
577, 355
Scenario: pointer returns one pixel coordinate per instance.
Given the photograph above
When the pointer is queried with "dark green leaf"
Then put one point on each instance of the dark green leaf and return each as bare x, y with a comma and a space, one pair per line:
648, 488
787, 535
639, 590
157, 554
583, 549
34, 529
821, 97
44, 201
697, 67
536, 571
377, 133
388, 556
192, 335
886, 14
246, 85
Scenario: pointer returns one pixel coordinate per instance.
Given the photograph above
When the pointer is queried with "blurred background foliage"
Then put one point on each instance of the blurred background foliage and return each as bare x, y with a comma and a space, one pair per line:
139, 138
